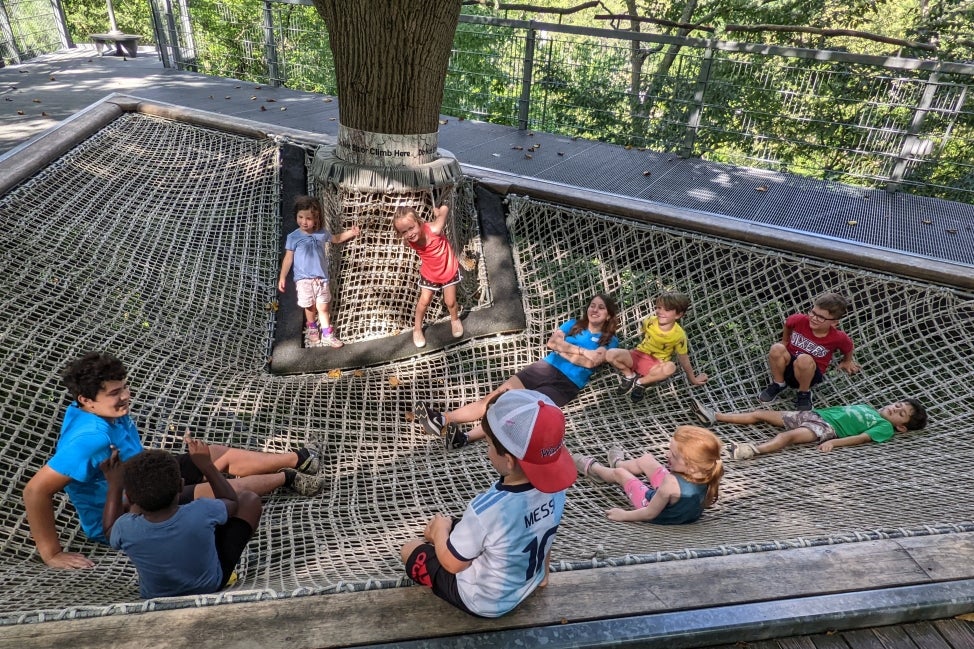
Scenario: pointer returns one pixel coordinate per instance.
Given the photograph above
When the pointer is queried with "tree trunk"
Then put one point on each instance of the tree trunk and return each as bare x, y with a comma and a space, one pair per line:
390, 61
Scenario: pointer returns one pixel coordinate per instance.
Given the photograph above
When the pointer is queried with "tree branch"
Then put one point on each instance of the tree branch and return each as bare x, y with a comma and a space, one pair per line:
498, 6
831, 32
658, 21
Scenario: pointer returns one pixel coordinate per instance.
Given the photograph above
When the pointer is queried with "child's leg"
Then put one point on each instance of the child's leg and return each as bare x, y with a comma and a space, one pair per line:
804, 368
659, 373
310, 315
324, 314
778, 360
450, 301
620, 359
240, 462
425, 297
787, 438
476, 409
232, 537
645, 464
259, 484
772, 417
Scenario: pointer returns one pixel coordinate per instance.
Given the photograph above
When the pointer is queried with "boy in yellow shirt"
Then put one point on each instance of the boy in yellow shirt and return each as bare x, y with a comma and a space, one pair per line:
651, 361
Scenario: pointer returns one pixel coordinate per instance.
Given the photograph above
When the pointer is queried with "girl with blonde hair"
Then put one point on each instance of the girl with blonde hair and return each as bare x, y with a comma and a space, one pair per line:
677, 492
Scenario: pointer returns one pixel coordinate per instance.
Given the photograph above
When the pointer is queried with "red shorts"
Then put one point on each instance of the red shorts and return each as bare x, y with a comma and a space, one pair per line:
642, 362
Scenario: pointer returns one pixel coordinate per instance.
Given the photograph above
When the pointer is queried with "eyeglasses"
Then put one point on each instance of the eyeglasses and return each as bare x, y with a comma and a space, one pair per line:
815, 315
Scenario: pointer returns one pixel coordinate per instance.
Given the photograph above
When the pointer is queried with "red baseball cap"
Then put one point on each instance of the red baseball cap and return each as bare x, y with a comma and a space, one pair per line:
532, 428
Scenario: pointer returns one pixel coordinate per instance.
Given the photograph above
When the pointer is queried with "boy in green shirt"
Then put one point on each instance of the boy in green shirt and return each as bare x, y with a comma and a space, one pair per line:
828, 427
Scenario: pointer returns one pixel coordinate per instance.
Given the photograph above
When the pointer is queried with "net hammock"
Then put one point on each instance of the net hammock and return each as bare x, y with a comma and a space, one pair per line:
171, 263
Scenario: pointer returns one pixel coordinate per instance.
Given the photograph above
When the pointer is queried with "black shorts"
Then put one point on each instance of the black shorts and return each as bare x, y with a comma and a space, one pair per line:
547, 379
231, 539
792, 382
434, 286
192, 476
424, 568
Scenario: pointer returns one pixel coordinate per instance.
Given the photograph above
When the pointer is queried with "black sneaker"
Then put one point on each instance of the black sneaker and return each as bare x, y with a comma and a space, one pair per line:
637, 393
770, 393
625, 384
803, 401
431, 420
454, 437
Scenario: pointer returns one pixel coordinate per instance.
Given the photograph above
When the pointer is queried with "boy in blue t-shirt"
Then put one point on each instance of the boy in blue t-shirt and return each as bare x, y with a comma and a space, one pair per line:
488, 561
177, 549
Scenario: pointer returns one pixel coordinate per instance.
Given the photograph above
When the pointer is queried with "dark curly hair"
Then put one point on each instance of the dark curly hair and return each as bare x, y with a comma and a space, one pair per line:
85, 376
152, 479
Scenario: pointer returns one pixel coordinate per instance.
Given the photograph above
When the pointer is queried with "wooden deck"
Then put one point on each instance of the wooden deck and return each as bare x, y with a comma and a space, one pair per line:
844, 595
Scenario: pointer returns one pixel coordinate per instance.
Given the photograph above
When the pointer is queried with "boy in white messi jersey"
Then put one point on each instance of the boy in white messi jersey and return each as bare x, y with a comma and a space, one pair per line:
489, 561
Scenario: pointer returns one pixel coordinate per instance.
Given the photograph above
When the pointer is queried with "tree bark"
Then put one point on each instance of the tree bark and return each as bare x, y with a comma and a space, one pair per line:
391, 59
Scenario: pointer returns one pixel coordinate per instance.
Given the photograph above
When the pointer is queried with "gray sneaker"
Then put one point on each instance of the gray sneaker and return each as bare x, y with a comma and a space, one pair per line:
312, 464
304, 485
705, 414
771, 392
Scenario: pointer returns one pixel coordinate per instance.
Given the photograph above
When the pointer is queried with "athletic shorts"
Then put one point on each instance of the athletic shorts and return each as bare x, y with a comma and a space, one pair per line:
793, 382
435, 286
548, 380
231, 539
423, 567
639, 493
312, 292
812, 421
642, 362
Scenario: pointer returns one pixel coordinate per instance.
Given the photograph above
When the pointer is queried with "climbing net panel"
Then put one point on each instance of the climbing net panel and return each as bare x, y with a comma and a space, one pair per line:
159, 241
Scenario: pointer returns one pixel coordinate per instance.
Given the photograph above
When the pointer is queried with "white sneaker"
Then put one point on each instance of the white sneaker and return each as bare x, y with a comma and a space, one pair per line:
419, 339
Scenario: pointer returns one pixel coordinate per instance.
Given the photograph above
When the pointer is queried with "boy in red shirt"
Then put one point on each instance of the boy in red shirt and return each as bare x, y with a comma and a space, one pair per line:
808, 342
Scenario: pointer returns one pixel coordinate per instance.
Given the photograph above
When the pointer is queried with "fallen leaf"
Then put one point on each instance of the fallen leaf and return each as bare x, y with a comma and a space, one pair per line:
927, 221
36, 101
43, 114
211, 96
951, 231
528, 156
496, 155
334, 374
444, 121
270, 100
628, 147
394, 381
283, 107
967, 617
253, 98
332, 119
227, 97
262, 108
236, 86
561, 153
256, 87
853, 222
358, 374
530, 134
328, 100
20, 112
762, 188
517, 148
7, 99
53, 79
647, 173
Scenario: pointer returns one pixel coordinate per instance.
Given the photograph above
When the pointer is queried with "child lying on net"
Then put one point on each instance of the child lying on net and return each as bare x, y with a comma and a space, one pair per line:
678, 492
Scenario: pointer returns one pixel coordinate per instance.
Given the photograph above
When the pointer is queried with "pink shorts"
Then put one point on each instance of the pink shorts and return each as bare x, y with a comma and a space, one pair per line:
639, 493
642, 362
312, 291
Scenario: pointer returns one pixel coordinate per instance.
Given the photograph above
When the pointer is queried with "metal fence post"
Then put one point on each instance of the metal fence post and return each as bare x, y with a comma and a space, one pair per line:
524, 103
62, 24
270, 48
699, 93
6, 30
159, 34
911, 143
177, 55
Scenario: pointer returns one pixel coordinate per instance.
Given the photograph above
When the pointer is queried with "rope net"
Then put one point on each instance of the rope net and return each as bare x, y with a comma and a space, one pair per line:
171, 264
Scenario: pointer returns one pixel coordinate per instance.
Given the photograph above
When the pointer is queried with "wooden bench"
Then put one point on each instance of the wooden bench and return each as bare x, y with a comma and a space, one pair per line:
125, 44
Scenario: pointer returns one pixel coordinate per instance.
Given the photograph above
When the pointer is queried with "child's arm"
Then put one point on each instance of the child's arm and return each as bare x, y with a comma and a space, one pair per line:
199, 453
438, 533
350, 233
786, 334
695, 379
285, 269
39, 505
848, 365
854, 440
114, 508
439, 218
667, 493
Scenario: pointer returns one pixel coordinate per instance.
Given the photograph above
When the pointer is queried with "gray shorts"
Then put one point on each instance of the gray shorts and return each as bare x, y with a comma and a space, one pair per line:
812, 421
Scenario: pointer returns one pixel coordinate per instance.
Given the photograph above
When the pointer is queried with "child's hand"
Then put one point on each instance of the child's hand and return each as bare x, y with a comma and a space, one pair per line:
616, 514
112, 467
355, 230
699, 379
437, 526
849, 366
280, 285
199, 452
827, 447
557, 336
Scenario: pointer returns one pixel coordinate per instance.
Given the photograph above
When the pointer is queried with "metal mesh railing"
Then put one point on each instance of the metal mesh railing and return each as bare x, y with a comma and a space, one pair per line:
29, 28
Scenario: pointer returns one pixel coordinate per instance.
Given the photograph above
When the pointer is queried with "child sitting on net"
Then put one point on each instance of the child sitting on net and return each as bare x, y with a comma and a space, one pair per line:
440, 268
678, 492
304, 250
177, 549
652, 360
